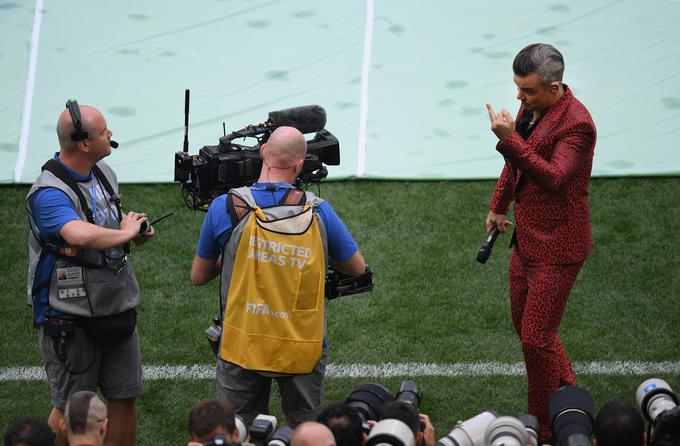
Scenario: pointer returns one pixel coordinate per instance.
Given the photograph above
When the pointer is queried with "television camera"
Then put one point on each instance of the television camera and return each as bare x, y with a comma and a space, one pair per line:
229, 164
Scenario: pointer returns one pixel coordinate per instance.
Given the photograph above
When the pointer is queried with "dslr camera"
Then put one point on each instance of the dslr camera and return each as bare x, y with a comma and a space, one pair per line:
229, 164
368, 399
262, 432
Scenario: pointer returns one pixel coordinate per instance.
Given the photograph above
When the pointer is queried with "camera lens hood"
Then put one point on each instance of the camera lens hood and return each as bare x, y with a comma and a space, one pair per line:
650, 390
506, 431
391, 432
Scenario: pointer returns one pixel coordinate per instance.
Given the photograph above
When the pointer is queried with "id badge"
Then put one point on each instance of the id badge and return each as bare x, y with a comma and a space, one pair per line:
70, 281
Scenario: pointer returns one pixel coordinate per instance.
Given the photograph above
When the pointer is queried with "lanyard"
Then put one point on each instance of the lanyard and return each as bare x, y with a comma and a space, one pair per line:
94, 203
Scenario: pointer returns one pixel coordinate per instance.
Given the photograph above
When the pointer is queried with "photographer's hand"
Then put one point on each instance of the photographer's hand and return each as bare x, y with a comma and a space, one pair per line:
498, 220
502, 123
428, 433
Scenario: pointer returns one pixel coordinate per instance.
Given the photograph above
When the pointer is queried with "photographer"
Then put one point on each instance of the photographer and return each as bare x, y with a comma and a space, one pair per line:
210, 418
548, 158
312, 433
619, 424
345, 423
272, 278
81, 285
420, 424
84, 421
29, 431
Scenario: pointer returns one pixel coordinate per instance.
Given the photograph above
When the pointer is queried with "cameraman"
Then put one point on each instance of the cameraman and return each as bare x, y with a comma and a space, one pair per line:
29, 431
619, 424
81, 284
210, 418
423, 431
272, 285
312, 433
84, 421
345, 423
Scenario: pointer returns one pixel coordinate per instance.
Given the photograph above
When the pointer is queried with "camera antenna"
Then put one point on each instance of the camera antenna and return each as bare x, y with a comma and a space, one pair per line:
186, 120
224, 128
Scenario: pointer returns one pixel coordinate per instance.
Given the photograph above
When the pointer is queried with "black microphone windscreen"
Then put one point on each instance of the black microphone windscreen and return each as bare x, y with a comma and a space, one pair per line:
307, 119
113, 144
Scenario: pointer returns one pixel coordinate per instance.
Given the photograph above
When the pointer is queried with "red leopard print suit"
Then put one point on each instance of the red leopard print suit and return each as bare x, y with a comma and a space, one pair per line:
552, 233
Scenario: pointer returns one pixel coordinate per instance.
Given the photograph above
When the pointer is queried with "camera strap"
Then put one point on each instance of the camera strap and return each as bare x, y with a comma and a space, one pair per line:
60, 172
237, 207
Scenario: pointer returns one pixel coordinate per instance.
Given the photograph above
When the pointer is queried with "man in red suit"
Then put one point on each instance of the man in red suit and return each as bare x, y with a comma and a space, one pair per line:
548, 158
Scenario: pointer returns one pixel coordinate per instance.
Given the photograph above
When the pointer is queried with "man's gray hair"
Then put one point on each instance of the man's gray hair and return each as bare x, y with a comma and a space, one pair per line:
540, 58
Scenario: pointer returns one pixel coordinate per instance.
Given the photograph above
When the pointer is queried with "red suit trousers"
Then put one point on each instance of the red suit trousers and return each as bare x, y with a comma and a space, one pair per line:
538, 297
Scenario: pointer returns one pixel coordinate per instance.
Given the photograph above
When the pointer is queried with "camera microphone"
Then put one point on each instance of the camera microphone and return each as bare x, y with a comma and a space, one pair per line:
307, 119
485, 249
113, 144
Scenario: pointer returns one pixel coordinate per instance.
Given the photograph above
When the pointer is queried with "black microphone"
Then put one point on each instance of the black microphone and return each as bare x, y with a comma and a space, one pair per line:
307, 119
113, 144
485, 249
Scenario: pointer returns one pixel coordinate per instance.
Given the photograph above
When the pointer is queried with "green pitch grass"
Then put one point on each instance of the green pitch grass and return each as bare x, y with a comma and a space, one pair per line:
432, 302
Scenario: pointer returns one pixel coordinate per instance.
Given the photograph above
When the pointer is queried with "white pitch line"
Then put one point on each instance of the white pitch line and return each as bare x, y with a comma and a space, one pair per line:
363, 108
30, 87
409, 369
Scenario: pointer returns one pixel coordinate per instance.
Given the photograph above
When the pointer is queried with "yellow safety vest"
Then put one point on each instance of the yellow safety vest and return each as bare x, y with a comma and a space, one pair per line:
274, 318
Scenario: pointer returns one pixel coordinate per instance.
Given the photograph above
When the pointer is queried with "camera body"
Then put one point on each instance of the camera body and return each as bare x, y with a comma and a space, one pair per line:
368, 400
217, 440
227, 165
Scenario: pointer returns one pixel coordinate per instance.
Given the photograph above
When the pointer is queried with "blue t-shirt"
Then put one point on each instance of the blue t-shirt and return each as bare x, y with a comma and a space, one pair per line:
217, 224
51, 208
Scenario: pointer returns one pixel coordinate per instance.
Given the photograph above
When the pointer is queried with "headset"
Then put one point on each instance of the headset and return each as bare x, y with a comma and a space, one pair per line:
80, 134
74, 110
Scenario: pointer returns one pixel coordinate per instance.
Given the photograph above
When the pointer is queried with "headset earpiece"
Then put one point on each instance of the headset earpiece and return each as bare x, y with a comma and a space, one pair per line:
74, 110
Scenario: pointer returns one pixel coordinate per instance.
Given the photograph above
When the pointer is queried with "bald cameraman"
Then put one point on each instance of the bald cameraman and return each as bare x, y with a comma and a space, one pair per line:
272, 292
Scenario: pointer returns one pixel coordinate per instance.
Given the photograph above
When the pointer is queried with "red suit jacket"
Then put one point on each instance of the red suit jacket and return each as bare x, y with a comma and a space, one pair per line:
551, 202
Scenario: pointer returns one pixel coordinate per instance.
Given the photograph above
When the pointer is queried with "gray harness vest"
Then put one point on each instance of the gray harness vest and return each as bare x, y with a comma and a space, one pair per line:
109, 285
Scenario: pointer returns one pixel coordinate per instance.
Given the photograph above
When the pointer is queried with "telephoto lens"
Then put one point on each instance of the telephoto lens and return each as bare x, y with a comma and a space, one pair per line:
242, 428
571, 415
367, 399
469, 432
655, 396
281, 437
506, 431
532, 426
391, 432
408, 392
659, 404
